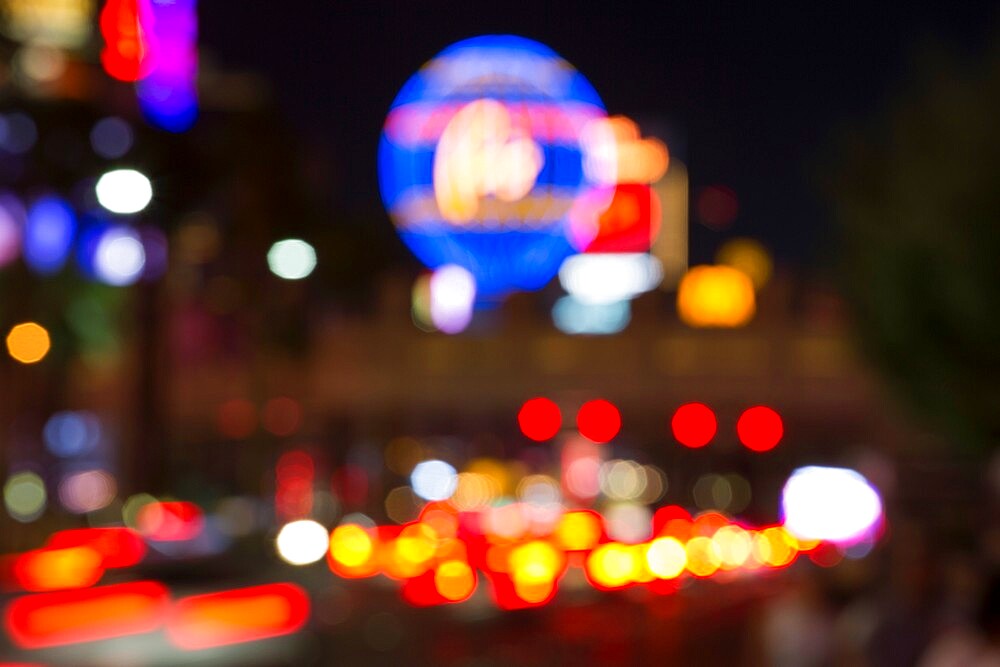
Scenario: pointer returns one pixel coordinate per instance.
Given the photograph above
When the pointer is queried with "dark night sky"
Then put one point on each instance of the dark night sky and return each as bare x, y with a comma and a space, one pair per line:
749, 96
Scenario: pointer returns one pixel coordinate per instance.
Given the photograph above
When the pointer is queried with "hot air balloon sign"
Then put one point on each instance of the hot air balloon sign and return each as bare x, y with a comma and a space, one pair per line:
482, 158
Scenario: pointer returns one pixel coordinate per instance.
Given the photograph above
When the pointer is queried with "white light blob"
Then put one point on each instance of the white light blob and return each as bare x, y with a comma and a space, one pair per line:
453, 297
302, 542
833, 504
124, 191
291, 259
603, 278
434, 480
120, 257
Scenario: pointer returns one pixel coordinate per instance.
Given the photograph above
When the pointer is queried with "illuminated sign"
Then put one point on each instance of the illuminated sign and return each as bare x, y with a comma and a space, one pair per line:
482, 157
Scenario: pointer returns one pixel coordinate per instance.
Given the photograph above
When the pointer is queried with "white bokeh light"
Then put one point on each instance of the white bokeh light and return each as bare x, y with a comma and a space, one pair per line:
87, 491
453, 297
434, 480
120, 257
302, 542
124, 191
291, 259
605, 278
832, 504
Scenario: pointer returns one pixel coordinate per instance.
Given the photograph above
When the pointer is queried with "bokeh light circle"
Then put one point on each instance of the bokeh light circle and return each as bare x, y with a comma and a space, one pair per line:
694, 425
598, 420
291, 259
24, 496
124, 191
302, 542
760, 428
434, 480
481, 159
539, 419
28, 342
120, 257
834, 504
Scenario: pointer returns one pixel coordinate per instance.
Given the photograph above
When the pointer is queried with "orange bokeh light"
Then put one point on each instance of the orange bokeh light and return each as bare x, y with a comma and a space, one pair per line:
236, 616
28, 342
54, 569
716, 296
455, 580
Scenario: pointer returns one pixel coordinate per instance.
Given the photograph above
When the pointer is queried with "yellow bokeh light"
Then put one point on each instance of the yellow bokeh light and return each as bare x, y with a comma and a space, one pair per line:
411, 553
351, 545
613, 565
716, 296
750, 257
578, 531
454, 580
703, 557
536, 562
28, 342
666, 557
734, 546
774, 547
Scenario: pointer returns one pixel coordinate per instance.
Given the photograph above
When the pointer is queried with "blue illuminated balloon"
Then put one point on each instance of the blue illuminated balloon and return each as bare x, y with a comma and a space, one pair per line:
48, 234
481, 159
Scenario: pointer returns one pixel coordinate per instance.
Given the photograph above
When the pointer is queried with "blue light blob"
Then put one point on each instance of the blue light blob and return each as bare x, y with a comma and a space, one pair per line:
48, 234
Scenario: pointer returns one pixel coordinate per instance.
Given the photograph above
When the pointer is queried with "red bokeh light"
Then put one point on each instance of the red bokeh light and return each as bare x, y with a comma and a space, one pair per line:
88, 614
759, 428
630, 222
119, 547
282, 416
174, 521
599, 420
539, 419
237, 419
717, 206
694, 425
293, 493
128, 50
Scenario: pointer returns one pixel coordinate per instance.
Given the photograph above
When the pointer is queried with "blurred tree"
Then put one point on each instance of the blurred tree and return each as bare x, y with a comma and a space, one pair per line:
919, 207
